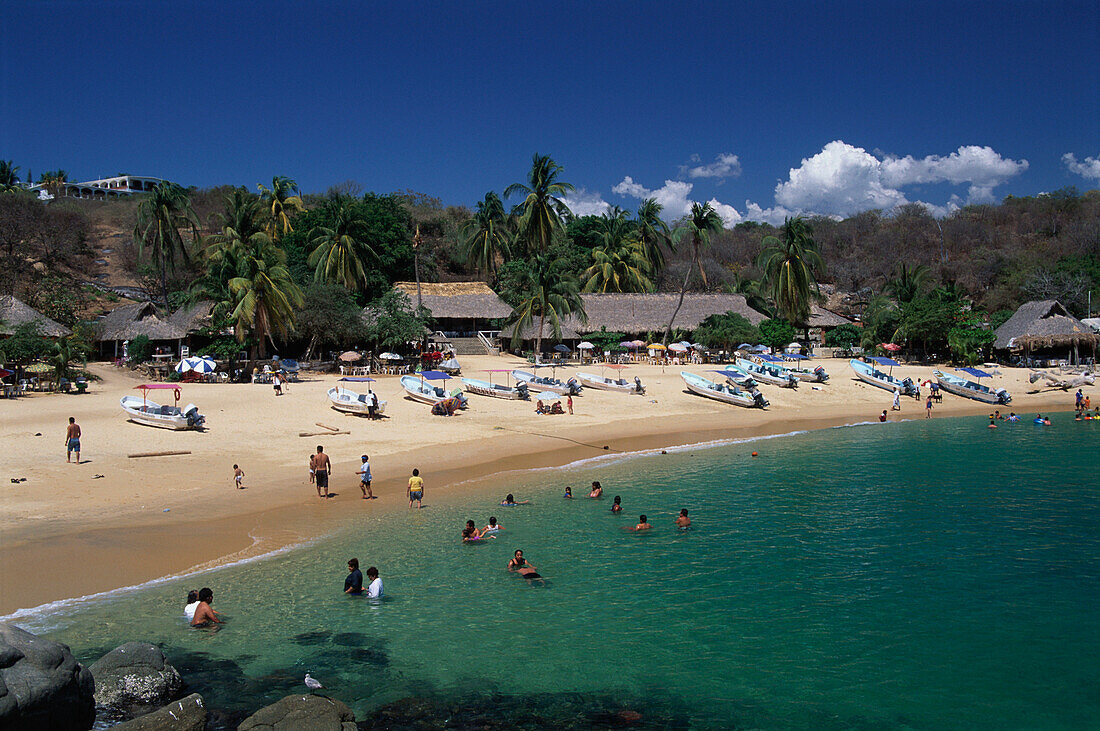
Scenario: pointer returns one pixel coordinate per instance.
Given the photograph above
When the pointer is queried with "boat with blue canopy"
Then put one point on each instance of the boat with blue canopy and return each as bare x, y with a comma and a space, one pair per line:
352, 402
817, 375
972, 389
767, 373
549, 383
496, 390
869, 373
420, 388
725, 392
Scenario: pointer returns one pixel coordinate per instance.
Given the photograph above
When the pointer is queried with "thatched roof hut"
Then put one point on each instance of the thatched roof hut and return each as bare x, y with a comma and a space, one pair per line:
457, 300
14, 313
1044, 324
822, 318
139, 318
638, 314
194, 318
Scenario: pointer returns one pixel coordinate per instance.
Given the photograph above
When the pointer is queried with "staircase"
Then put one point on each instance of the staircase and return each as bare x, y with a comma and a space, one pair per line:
469, 346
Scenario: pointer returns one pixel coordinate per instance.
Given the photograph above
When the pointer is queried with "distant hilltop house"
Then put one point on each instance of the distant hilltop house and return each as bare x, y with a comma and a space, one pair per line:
14, 313
1044, 329
104, 188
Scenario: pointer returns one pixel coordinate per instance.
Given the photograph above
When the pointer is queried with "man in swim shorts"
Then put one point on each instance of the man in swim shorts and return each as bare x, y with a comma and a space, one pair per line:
321, 466
72, 440
682, 520
416, 489
643, 524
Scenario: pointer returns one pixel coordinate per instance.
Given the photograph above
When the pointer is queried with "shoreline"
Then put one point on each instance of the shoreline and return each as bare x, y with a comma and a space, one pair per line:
133, 550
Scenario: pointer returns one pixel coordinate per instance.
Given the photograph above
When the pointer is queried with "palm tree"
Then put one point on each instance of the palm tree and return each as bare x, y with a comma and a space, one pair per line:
341, 246
487, 234
161, 215
908, 281
282, 199
619, 263
265, 296
790, 266
64, 351
554, 294
54, 181
542, 211
702, 222
753, 291
9, 176
653, 233
225, 250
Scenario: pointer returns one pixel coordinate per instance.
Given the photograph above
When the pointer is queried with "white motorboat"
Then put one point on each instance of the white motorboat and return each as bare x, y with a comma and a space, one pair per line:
351, 402
570, 387
972, 389
496, 390
603, 383
739, 377
766, 373
726, 392
143, 411
420, 388
868, 373
817, 375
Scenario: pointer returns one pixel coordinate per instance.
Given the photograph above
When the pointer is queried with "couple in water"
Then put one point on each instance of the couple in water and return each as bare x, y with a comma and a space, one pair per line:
471, 533
683, 522
354, 583
198, 610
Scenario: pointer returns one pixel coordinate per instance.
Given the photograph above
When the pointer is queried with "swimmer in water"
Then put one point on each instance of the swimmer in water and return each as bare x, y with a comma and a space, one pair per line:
643, 524
568, 493
617, 506
519, 565
493, 526
597, 490
204, 613
992, 422
510, 500
470, 532
682, 520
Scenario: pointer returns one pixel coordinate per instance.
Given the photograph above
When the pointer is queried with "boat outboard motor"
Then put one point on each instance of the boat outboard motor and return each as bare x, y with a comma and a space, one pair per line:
521, 387
574, 387
638, 387
194, 418
792, 381
822, 376
1003, 396
758, 399
908, 387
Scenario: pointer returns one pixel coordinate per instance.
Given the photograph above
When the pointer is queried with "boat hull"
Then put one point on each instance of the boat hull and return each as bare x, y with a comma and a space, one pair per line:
483, 388
547, 384
149, 413
606, 384
709, 389
426, 393
349, 402
877, 378
760, 374
958, 387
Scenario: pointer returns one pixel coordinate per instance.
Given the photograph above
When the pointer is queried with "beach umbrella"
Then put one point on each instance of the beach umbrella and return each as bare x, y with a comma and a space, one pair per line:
183, 366
349, 356
4, 372
655, 346
562, 348
760, 349
389, 356
744, 346
628, 344
586, 346
204, 364
678, 348
38, 368
890, 347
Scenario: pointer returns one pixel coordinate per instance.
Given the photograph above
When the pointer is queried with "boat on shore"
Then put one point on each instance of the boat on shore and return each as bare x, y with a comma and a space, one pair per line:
419, 388
972, 389
603, 383
143, 411
870, 374
725, 392
739, 377
352, 402
570, 387
817, 375
767, 373
496, 390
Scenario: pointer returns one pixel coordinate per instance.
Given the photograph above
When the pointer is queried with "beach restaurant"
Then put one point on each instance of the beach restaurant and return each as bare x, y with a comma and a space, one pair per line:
1044, 332
173, 333
460, 309
15, 313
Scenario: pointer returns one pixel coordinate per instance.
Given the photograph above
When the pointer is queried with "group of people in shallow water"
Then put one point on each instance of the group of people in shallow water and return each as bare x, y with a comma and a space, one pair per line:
198, 611
518, 564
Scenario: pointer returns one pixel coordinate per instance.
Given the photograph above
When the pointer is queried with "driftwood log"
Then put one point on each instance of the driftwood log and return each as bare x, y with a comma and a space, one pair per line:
157, 454
321, 433
326, 426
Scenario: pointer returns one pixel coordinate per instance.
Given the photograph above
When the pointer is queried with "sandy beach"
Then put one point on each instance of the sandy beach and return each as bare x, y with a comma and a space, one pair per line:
114, 521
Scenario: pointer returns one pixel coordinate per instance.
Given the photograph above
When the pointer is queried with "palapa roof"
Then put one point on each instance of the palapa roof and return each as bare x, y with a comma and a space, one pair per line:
457, 299
820, 317
139, 318
194, 317
14, 313
1043, 323
643, 313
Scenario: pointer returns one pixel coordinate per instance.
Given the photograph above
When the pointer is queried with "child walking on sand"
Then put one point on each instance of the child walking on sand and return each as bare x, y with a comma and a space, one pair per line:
238, 477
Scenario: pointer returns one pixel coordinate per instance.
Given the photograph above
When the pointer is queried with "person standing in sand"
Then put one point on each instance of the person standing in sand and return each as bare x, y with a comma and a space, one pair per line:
72, 440
897, 400
238, 476
321, 468
364, 478
928, 407
569, 404
416, 489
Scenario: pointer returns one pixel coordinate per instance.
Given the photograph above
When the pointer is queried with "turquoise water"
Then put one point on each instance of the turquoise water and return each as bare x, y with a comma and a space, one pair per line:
927, 574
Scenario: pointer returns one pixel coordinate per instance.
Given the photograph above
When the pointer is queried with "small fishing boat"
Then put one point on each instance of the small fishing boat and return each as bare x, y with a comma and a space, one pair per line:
817, 375
496, 390
972, 389
604, 383
571, 387
143, 411
419, 388
767, 373
740, 378
351, 402
725, 392
868, 373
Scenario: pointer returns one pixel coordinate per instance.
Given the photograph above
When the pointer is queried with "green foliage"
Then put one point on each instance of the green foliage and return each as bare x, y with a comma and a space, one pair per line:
619, 263
843, 336
391, 321
586, 231
970, 341
139, 349
552, 294
486, 235
908, 282
728, 331
26, 344
282, 204
56, 298
700, 224
604, 340
329, 315
880, 322
1000, 317
790, 266
161, 215
927, 320
223, 347
63, 352
542, 212
514, 281
341, 248
776, 333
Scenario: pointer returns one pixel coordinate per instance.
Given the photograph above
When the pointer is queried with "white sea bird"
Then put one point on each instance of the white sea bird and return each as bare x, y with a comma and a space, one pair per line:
312, 683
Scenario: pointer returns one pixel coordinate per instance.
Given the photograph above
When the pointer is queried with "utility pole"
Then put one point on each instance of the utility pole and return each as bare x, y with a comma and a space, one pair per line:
416, 265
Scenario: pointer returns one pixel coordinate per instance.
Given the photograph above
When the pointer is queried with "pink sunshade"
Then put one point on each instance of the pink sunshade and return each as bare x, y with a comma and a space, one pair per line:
154, 386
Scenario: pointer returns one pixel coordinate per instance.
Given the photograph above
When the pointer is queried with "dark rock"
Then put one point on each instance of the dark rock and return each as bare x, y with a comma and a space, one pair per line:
186, 714
302, 713
135, 678
42, 685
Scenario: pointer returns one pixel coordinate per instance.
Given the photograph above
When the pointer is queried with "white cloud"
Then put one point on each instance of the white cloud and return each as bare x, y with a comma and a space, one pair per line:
1090, 168
673, 196
775, 216
583, 203
842, 179
729, 214
724, 166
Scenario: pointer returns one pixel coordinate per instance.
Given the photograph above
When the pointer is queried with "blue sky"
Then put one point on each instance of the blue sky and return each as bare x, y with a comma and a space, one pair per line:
764, 110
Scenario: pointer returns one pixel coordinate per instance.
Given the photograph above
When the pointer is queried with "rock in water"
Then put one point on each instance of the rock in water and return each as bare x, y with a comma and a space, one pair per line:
301, 713
42, 685
186, 714
135, 679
